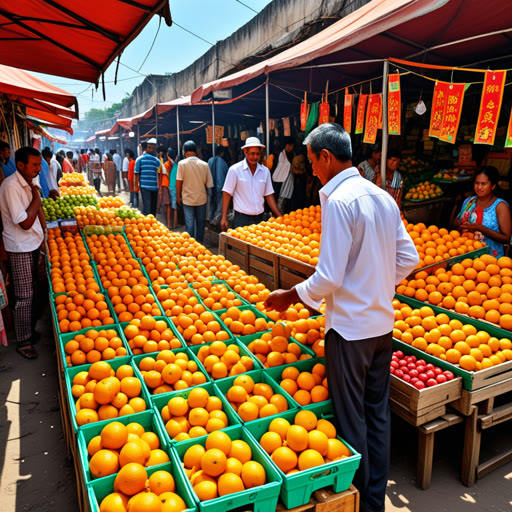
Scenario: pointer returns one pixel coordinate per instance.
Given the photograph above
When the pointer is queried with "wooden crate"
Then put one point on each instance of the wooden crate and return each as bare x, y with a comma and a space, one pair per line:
308, 507
416, 419
292, 272
328, 501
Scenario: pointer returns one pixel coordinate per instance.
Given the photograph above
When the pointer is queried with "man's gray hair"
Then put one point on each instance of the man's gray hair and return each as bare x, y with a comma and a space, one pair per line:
333, 138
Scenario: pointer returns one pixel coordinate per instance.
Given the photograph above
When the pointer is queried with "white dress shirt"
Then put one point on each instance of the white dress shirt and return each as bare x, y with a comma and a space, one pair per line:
365, 252
116, 157
283, 168
55, 167
15, 198
126, 164
248, 190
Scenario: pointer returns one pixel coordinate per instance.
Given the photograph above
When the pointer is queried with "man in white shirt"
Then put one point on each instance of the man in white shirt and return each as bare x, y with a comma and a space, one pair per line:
24, 225
365, 252
118, 162
249, 184
126, 166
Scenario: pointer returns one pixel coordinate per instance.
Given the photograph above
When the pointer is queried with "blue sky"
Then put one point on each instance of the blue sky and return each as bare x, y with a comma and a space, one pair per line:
174, 48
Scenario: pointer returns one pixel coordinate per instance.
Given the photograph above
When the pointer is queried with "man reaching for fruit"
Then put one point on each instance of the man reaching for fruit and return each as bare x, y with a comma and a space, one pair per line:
358, 221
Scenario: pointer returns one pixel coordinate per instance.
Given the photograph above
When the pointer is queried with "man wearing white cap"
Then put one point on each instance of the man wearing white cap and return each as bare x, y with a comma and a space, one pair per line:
249, 184
146, 176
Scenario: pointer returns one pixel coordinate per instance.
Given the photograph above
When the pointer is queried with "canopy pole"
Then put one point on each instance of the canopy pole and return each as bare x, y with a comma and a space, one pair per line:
213, 128
121, 141
267, 117
156, 124
384, 153
138, 141
177, 131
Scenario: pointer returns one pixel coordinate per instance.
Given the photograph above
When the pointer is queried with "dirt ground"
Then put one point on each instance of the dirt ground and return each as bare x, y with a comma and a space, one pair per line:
37, 475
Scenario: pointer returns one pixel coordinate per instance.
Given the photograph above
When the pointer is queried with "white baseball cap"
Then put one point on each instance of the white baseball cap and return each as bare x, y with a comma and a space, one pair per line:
253, 142
152, 141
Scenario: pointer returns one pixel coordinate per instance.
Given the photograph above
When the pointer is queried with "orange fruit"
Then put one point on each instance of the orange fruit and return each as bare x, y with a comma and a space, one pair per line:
240, 450
193, 455
285, 459
229, 483
213, 462
131, 479
253, 474
103, 463
219, 440
297, 438
270, 441
310, 459
114, 435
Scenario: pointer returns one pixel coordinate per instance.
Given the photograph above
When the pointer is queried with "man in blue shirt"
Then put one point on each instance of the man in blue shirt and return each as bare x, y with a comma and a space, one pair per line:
8, 165
147, 168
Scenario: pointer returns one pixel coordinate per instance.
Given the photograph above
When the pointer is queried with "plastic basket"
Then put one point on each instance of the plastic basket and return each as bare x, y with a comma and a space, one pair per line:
115, 364
152, 293
99, 489
297, 488
160, 401
264, 498
258, 376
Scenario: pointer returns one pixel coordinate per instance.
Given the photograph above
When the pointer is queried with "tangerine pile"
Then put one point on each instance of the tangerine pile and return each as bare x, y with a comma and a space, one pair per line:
110, 202
216, 296
77, 311
72, 178
177, 299
221, 360
450, 340
170, 371
307, 443
480, 288
94, 346
119, 444
222, 466
253, 400
133, 302
247, 286
71, 268
91, 216
305, 387
200, 328
311, 332
197, 415
273, 348
136, 492
242, 322
296, 234
147, 335
437, 244
84, 190
103, 393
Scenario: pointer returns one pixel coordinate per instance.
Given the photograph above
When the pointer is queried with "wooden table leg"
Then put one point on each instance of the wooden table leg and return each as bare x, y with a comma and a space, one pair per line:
471, 453
425, 459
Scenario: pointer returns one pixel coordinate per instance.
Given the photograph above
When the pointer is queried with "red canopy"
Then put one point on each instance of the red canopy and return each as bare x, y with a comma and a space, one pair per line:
70, 38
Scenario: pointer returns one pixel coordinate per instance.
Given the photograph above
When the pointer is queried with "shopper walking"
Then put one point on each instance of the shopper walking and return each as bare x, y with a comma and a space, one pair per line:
147, 168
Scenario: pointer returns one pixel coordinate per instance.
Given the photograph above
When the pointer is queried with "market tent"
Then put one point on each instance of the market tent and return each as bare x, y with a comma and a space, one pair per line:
72, 39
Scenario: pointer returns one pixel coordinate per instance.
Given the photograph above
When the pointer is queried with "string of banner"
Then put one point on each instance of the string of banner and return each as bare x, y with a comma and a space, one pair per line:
446, 110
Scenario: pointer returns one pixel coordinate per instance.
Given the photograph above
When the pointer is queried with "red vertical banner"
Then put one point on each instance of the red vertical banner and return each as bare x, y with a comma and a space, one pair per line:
452, 112
438, 102
361, 106
304, 111
490, 106
380, 112
347, 111
324, 113
394, 105
508, 140
372, 118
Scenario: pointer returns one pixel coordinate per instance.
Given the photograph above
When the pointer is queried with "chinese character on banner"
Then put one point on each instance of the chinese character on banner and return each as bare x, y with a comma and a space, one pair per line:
438, 101
372, 118
508, 140
347, 111
324, 113
490, 106
361, 105
219, 133
394, 105
452, 112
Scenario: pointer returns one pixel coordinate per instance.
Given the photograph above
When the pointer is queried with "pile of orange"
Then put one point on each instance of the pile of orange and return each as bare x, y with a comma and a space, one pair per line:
94, 346
242, 322
72, 178
221, 360
296, 234
177, 299
437, 244
307, 443
222, 467
450, 340
274, 349
71, 268
247, 287
147, 335
133, 302
310, 331
77, 311
110, 202
170, 371
253, 400
480, 288
194, 270
216, 296
199, 328
91, 216
305, 387
84, 190
103, 393
195, 416
119, 444
134, 491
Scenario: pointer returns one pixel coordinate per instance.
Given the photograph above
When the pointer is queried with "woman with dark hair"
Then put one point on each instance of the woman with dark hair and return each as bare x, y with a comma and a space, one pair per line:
110, 173
369, 167
485, 214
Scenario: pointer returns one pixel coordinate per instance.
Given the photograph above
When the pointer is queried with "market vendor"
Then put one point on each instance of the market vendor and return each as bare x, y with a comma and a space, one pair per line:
486, 214
367, 169
394, 181
358, 221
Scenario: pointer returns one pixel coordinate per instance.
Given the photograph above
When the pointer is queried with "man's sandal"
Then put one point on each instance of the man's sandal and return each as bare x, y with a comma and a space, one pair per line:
28, 352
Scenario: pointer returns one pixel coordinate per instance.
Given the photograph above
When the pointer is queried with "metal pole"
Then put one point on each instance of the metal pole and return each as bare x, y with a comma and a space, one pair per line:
177, 131
138, 139
384, 124
267, 115
156, 124
121, 141
213, 128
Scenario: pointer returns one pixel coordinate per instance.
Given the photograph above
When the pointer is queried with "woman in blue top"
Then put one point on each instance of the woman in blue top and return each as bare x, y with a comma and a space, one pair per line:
485, 213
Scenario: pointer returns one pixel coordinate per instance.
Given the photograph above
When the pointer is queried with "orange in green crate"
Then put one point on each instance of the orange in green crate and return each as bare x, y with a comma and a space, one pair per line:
198, 328
244, 321
216, 296
149, 334
133, 302
221, 360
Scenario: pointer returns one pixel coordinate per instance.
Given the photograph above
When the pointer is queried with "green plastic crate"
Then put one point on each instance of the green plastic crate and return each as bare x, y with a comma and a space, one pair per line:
74, 370
116, 318
258, 376
160, 401
263, 498
64, 338
137, 359
297, 488
223, 310
147, 419
255, 310
99, 489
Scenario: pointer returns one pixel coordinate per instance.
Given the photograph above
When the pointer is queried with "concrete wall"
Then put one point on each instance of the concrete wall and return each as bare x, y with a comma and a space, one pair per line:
279, 25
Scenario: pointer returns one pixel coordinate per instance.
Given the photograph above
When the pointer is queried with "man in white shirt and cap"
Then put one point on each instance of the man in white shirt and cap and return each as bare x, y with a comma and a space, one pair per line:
249, 184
